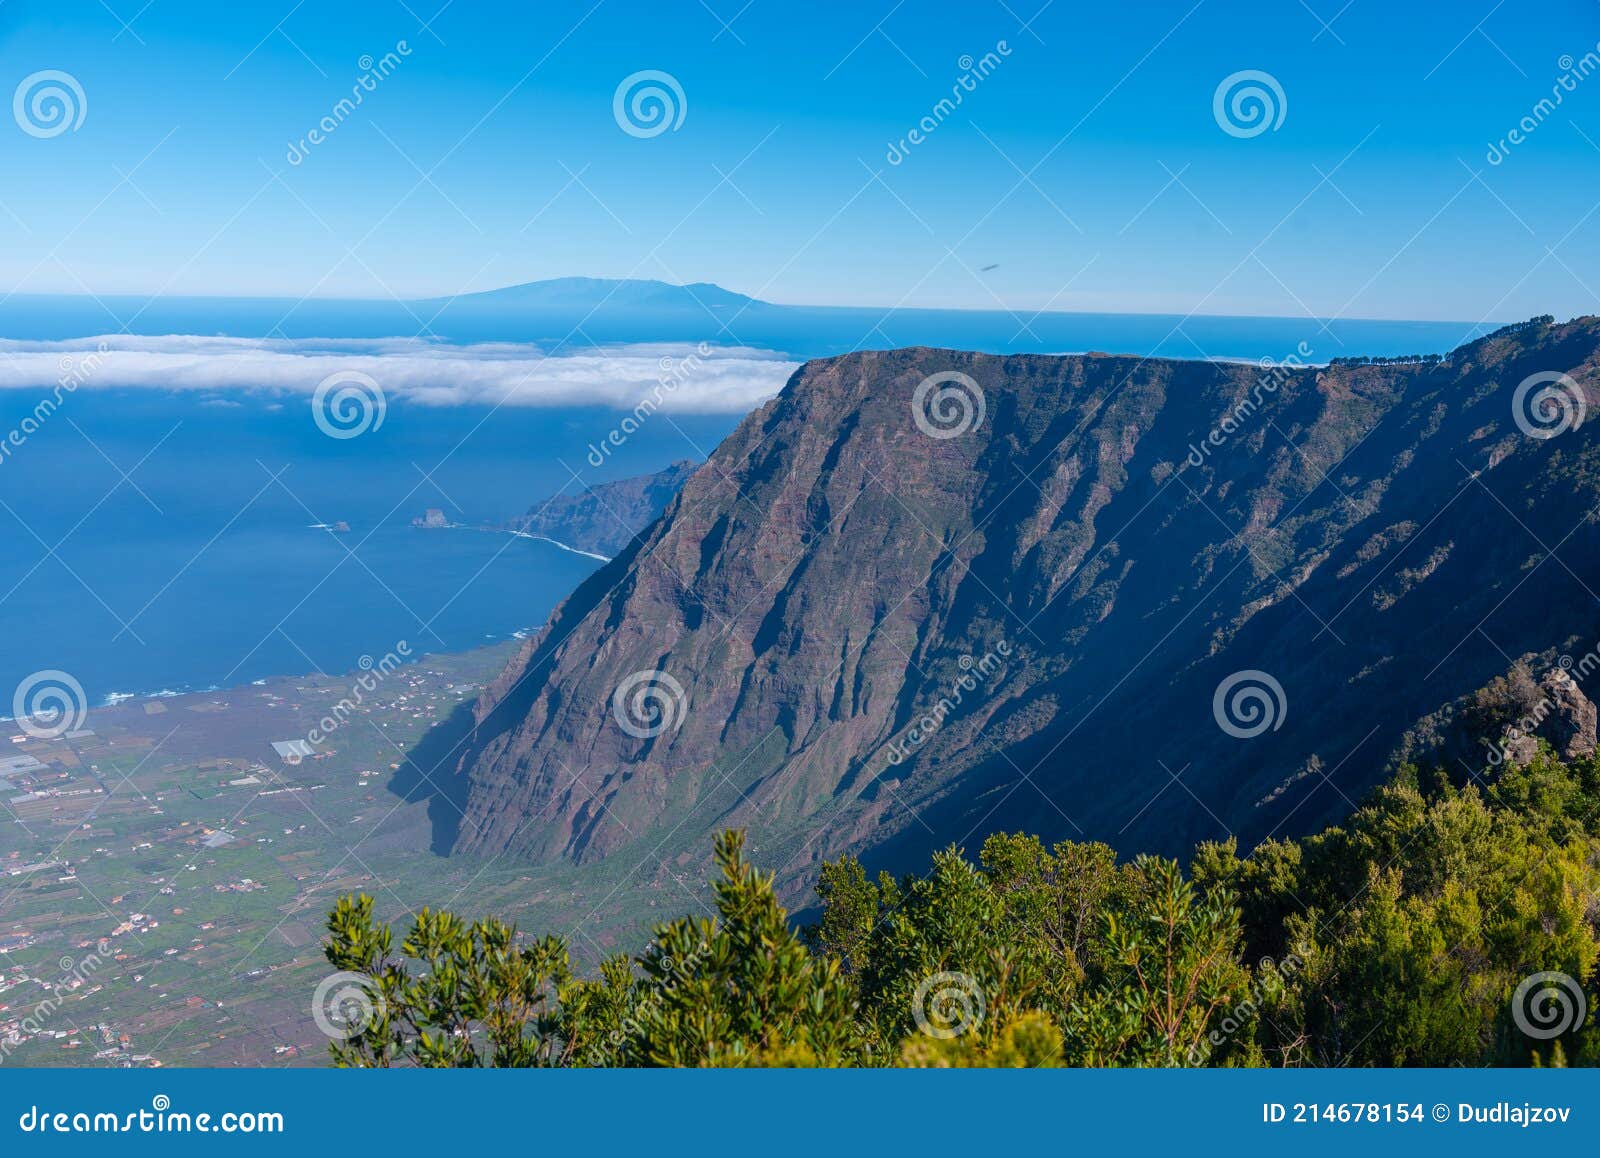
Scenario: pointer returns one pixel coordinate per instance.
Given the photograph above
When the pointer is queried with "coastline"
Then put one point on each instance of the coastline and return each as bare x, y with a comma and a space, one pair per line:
563, 546
495, 530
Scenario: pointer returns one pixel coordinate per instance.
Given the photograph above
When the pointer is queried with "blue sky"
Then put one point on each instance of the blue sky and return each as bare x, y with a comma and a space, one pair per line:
1087, 168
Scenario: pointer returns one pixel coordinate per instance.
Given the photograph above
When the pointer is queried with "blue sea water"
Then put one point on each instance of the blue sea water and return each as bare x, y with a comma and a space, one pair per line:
155, 540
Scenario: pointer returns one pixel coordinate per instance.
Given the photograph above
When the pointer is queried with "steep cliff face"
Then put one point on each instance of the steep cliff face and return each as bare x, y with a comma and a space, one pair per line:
878, 619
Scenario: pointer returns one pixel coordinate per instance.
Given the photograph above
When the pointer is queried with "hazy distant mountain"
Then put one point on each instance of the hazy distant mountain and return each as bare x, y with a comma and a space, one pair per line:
604, 518
564, 314
601, 292
1374, 538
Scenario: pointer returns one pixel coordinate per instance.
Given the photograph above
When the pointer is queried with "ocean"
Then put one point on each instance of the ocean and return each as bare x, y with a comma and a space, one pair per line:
160, 542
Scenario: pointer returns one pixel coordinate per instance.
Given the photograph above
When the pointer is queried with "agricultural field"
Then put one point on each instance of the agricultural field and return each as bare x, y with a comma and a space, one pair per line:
164, 872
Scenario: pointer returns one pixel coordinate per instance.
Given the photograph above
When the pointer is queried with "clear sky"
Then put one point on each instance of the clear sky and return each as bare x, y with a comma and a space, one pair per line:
1088, 168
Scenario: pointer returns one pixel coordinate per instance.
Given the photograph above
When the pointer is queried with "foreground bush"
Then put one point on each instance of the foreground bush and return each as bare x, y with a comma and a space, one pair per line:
1440, 925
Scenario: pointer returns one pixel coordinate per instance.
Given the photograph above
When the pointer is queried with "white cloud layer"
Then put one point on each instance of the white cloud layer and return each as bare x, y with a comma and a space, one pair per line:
682, 377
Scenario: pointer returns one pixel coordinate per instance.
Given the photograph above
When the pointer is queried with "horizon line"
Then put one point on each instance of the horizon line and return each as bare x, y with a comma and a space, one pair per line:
146, 296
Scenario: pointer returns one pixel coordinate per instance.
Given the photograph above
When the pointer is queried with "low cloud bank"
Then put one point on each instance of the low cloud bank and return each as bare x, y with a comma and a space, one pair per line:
705, 379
